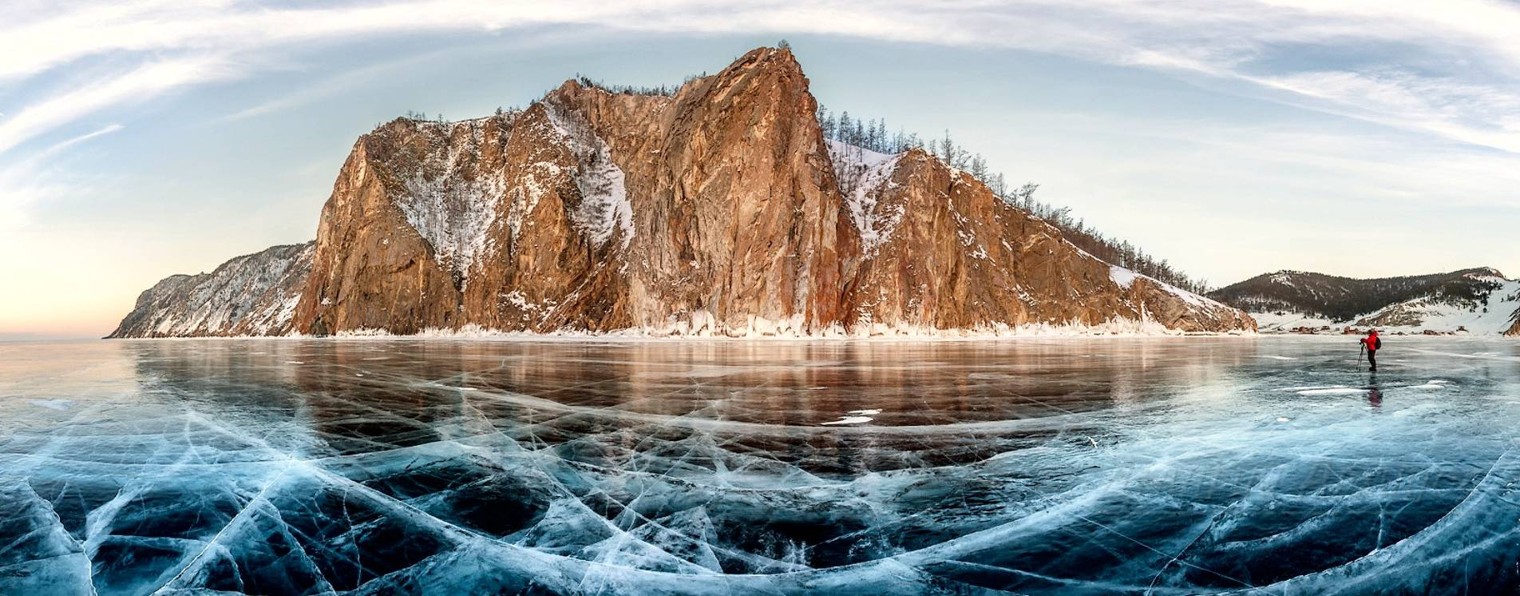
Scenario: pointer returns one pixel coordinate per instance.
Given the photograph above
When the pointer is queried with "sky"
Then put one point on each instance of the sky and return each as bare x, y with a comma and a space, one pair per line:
140, 139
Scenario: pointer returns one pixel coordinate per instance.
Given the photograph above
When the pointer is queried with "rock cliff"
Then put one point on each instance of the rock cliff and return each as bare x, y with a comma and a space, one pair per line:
250, 295
718, 209
942, 251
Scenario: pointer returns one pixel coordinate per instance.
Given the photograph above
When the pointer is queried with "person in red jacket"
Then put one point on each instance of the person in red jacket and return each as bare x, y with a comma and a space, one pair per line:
1372, 343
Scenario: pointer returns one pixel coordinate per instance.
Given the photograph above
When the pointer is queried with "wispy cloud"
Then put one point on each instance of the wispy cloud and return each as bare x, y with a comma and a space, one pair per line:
333, 86
140, 84
1465, 91
34, 179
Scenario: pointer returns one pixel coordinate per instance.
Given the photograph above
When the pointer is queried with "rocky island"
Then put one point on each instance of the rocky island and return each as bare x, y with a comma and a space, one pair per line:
717, 209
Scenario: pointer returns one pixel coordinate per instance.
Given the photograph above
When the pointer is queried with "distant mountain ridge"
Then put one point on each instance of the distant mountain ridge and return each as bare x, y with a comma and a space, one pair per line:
1480, 300
717, 208
249, 295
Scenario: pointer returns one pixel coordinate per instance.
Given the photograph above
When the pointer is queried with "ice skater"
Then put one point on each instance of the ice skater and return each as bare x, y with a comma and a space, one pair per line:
1372, 343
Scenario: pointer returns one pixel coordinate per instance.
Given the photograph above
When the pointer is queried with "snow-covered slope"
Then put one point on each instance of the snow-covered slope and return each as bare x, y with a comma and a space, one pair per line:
1490, 312
604, 208
1478, 301
250, 295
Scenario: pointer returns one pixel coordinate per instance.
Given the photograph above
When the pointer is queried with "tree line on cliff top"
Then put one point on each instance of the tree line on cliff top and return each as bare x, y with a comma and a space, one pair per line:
873, 135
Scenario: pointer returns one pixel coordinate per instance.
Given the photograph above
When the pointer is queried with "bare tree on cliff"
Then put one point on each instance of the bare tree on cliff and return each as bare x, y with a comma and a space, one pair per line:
873, 136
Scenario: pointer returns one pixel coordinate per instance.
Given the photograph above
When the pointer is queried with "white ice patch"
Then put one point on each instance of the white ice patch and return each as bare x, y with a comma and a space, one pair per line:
1433, 384
855, 417
860, 173
1331, 391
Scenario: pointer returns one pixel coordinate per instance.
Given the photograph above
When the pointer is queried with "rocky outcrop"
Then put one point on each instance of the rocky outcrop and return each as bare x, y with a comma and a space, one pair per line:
737, 218
406, 218
250, 295
717, 209
942, 251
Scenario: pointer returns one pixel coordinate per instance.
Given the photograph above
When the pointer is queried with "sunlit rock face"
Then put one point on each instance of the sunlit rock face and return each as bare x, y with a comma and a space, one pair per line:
402, 226
736, 214
593, 210
944, 252
719, 209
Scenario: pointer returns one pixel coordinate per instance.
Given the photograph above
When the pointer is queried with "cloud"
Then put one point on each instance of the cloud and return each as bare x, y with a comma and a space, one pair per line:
1235, 40
1462, 111
140, 84
335, 85
35, 179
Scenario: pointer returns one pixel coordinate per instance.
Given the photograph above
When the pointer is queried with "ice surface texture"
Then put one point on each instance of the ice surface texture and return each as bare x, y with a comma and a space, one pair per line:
1163, 466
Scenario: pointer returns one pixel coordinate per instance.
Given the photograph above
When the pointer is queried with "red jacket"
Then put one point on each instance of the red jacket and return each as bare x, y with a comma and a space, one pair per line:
1370, 341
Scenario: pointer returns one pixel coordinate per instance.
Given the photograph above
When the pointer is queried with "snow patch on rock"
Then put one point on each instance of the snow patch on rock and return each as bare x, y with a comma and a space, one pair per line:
1124, 278
861, 173
450, 201
604, 208
703, 325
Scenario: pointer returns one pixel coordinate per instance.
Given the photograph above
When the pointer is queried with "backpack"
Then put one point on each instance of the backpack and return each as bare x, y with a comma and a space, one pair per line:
1378, 342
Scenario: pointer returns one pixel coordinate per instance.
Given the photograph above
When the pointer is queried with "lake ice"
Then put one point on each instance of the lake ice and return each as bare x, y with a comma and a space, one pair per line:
1176, 465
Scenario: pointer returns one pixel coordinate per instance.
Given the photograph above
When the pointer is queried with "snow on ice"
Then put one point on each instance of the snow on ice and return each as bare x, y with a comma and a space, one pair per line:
861, 173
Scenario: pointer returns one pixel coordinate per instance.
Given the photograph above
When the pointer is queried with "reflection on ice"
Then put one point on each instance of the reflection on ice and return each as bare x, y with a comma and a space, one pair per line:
380, 467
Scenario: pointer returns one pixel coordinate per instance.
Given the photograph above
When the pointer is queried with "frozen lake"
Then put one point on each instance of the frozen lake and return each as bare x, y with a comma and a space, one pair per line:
1179, 465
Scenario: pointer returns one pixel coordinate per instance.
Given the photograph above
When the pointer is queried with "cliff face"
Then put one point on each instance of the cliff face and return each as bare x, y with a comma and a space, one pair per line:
719, 209
942, 251
406, 218
737, 220
250, 295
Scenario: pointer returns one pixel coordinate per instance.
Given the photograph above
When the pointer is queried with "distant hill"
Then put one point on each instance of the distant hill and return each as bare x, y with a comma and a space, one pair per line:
1480, 300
